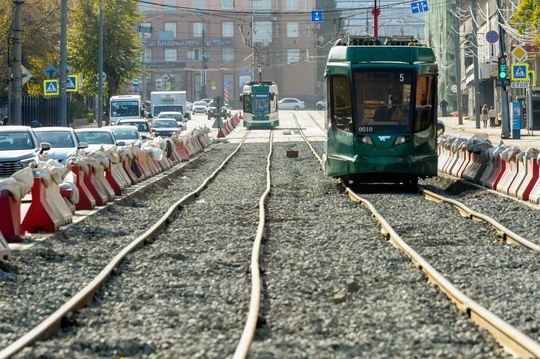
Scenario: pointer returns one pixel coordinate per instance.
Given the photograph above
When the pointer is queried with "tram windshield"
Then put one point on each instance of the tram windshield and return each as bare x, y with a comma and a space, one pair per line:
261, 105
383, 98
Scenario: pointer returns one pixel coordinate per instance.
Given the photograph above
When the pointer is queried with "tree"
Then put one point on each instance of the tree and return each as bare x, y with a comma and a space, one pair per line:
121, 46
40, 40
527, 17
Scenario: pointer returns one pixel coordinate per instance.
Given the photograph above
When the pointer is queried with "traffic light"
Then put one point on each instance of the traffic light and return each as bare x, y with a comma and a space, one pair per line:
503, 69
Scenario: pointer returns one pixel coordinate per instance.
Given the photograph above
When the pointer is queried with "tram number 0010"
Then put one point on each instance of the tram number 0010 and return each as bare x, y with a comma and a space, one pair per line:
365, 129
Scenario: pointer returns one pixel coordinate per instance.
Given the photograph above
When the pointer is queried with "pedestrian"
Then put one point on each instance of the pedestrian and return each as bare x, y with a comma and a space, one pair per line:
491, 115
484, 115
444, 107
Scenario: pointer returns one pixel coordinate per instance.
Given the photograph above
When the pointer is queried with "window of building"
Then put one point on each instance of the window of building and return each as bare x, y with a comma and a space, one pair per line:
292, 4
145, 7
227, 54
227, 4
293, 55
261, 5
170, 26
199, 4
227, 29
171, 54
145, 30
197, 28
169, 5
262, 32
292, 29
147, 55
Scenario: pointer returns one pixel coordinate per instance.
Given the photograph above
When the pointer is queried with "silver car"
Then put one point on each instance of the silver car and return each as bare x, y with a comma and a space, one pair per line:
64, 142
291, 104
19, 147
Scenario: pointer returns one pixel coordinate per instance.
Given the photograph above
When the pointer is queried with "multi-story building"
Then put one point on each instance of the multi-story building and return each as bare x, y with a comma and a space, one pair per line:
211, 48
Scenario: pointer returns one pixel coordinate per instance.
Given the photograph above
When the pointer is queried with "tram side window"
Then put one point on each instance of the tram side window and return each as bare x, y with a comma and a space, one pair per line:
425, 89
341, 103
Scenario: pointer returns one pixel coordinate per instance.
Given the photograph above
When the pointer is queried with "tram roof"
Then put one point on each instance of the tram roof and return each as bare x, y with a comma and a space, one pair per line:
368, 49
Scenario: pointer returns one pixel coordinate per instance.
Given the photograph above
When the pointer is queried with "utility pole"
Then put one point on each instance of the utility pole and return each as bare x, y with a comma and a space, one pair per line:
505, 124
62, 77
457, 58
477, 104
99, 115
16, 70
204, 64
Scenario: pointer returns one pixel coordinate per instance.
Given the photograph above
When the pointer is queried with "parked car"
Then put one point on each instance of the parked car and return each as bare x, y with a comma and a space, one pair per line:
98, 138
212, 111
207, 100
142, 124
291, 104
19, 147
177, 116
321, 105
128, 134
165, 127
172, 114
63, 140
199, 107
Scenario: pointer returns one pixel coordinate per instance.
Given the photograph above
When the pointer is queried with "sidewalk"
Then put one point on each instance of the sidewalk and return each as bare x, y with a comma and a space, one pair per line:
468, 129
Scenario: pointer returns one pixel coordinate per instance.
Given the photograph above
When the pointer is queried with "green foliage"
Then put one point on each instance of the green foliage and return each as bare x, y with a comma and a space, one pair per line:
527, 17
121, 46
40, 39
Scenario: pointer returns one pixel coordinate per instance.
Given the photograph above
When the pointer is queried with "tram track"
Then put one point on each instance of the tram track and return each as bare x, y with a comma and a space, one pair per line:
54, 321
450, 258
329, 285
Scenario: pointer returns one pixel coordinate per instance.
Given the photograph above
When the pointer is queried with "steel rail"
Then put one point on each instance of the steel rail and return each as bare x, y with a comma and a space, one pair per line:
255, 301
82, 298
505, 234
509, 337
319, 159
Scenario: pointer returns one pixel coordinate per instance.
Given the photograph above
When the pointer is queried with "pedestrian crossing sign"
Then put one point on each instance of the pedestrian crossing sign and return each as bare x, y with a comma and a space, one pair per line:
72, 83
519, 72
50, 87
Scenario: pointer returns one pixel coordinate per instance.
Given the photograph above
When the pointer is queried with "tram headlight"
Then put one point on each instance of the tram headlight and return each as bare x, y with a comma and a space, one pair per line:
401, 139
365, 139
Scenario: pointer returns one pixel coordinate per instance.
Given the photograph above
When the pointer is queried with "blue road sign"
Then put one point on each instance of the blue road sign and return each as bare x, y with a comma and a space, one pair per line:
492, 36
72, 84
50, 87
226, 85
519, 72
419, 6
50, 71
317, 16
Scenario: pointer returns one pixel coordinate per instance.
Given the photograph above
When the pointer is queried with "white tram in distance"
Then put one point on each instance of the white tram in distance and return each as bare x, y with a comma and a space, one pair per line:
260, 104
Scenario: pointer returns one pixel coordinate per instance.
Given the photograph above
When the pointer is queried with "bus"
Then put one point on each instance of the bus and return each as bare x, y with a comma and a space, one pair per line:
125, 106
260, 104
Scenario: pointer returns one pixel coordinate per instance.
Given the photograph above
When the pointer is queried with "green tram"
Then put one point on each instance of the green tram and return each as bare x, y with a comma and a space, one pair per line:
260, 104
381, 117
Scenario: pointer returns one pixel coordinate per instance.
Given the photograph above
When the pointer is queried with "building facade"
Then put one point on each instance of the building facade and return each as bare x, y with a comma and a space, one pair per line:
211, 48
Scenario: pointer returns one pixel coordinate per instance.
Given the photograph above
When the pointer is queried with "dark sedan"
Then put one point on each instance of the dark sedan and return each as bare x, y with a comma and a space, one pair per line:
165, 127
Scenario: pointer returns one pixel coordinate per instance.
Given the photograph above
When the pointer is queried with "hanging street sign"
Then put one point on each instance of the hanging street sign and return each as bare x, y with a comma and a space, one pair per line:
419, 6
317, 16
